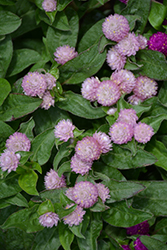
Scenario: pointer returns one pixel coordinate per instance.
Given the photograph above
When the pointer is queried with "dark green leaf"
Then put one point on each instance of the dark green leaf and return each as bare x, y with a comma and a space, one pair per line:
62, 212
9, 186
53, 195
157, 14
65, 167
27, 128
162, 96
161, 227
24, 157
132, 20
5, 89
62, 4
5, 130
12, 22
77, 230
64, 151
152, 243
6, 50
61, 22
45, 207
28, 181
17, 200
7, 2
65, 236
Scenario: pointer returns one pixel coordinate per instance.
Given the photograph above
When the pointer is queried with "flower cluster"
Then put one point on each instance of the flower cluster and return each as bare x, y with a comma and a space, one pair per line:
158, 42
53, 181
49, 5
64, 54
64, 130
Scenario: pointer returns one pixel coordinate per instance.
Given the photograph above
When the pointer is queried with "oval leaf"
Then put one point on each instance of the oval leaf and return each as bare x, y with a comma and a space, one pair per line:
12, 22
28, 181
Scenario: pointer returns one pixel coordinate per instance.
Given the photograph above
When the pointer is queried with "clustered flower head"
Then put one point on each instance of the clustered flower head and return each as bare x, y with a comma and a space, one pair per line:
48, 101
74, 218
104, 141
53, 181
115, 60
138, 245
80, 167
121, 132
125, 247
9, 161
49, 5
64, 130
64, 54
89, 88
143, 132
158, 42
141, 229
103, 192
128, 116
49, 219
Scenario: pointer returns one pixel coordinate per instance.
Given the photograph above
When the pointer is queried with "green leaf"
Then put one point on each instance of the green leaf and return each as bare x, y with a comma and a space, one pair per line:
61, 22
28, 181
65, 167
24, 157
53, 195
17, 105
120, 215
62, 4
64, 151
5, 130
152, 243
6, 51
7, 2
65, 236
76, 230
5, 89
132, 19
62, 211
45, 207
17, 200
9, 186
162, 96
27, 128
157, 14
19, 63
42, 146
79, 106
12, 22
161, 227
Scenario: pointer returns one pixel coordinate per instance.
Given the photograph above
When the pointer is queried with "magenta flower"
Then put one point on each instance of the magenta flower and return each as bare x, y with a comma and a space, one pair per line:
103, 192
18, 142
64, 130
50, 80
128, 116
79, 166
49, 5
53, 181
76, 217
143, 132
134, 100
9, 161
89, 88
64, 54
104, 141
115, 27
121, 132
138, 245
49, 219
142, 41
124, 1
125, 247
85, 194
88, 149
108, 93
115, 60
158, 42
34, 84
145, 87
141, 229
48, 101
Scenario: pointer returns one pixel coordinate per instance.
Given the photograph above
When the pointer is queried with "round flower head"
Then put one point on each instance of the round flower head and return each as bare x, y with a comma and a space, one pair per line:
85, 194
108, 93
138, 245
49, 5
104, 141
79, 166
134, 100
9, 161
48, 101
128, 116
158, 42
115, 60
125, 79
121, 132
18, 142
103, 192
111, 111
115, 27
88, 149
76, 217
145, 87
125, 247
142, 41
53, 181
128, 46
50, 81
64, 130
141, 229
49, 219
64, 54
143, 132
89, 88
69, 193
34, 84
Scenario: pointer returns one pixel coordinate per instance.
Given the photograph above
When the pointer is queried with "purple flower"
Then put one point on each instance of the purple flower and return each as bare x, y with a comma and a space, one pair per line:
48, 101
88, 149
115, 60
125, 79
104, 141
9, 161
76, 217
128, 46
18, 142
125, 247
141, 229
158, 42
64, 130
115, 27
121, 132
64, 54
34, 84
124, 1
85, 194
53, 181
49, 219
128, 116
103, 192
143, 132
89, 88
134, 100
145, 87
111, 111
79, 166
138, 245
69, 193
49, 5
50, 80
108, 93
142, 41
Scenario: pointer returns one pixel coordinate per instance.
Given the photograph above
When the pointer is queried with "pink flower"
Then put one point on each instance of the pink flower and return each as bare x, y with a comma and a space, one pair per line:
142, 41
48, 101
64, 130
9, 161
103, 192
49, 5
138, 245
128, 116
64, 54
134, 100
143, 132
158, 42
69, 193
79, 166
76, 217
104, 141
18, 142
141, 229
53, 181
89, 88
49, 219
121, 132
50, 80
125, 2
125, 247
115, 27
115, 60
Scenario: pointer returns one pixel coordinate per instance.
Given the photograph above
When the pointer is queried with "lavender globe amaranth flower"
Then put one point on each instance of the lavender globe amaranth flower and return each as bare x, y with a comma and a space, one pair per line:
64, 54
142, 41
34, 84
143, 132
69, 193
9, 161
145, 87
89, 88
48, 101
64, 130
134, 100
49, 219
115, 60
138, 245
158, 42
85, 194
115, 27
103, 192
108, 93
53, 181
76, 217
121, 132
50, 81
104, 141
128, 116
111, 111
80, 167
141, 229
88, 149
18, 142
49, 5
